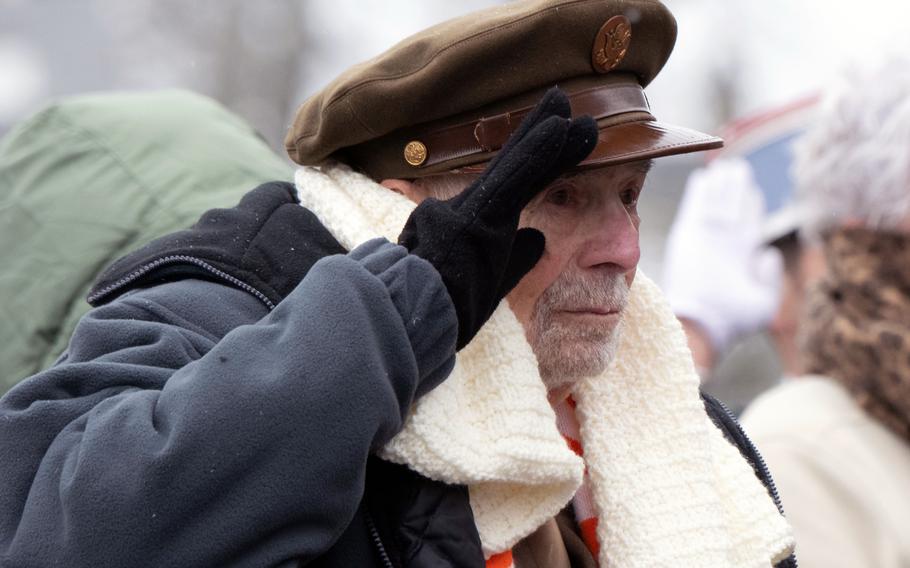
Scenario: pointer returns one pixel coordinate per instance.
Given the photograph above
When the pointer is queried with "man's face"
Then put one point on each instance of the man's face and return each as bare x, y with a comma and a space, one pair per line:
572, 301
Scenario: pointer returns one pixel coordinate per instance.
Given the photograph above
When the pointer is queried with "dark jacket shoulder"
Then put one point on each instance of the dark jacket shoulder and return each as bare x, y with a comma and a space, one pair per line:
265, 245
196, 422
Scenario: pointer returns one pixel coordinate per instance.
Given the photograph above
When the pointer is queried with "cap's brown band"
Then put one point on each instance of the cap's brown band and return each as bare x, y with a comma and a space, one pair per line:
490, 133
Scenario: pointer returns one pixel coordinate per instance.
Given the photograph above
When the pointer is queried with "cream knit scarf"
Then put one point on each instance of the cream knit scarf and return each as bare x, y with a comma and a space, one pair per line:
669, 489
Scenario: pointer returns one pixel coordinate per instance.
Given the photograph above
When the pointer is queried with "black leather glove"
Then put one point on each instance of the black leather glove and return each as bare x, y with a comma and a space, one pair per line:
473, 239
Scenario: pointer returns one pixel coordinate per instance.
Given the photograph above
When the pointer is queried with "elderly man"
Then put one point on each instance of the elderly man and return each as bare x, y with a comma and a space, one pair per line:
279, 385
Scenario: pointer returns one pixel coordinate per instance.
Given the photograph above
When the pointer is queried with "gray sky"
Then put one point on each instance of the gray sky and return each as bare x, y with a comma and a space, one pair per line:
769, 51
759, 52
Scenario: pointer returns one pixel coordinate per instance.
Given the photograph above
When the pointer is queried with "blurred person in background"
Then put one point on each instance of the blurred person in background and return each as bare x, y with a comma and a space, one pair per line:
838, 437
734, 263
278, 385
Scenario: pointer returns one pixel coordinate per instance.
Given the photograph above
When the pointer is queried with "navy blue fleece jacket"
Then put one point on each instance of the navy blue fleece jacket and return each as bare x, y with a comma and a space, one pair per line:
189, 426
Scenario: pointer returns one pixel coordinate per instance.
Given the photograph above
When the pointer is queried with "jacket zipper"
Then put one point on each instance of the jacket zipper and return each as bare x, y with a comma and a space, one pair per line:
762, 466
178, 259
377, 540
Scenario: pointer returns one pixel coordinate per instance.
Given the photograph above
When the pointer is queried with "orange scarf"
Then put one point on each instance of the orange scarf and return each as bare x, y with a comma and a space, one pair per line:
583, 501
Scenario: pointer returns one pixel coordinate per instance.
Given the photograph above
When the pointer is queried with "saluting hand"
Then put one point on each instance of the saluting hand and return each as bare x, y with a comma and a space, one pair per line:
473, 239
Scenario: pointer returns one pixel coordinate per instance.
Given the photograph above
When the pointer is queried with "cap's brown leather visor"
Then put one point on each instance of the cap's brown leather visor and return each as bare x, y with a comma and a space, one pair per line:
639, 140
647, 139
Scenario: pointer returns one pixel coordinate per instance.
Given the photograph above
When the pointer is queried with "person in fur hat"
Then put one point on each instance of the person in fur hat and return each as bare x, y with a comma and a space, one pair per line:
326, 374
838, 436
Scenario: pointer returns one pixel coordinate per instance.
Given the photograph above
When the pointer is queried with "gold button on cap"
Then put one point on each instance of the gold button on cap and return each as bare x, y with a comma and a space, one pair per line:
415, 153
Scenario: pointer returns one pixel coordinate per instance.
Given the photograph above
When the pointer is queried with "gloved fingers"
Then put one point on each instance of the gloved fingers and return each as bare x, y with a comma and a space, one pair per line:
553, 104
521, 174
750, 200
768, 269
527, 249
428, 211
726, 192
751, 215
580, 142
721, 212
535, 166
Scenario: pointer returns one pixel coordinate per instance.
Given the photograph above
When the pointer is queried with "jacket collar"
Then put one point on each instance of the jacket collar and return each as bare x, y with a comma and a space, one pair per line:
265, 245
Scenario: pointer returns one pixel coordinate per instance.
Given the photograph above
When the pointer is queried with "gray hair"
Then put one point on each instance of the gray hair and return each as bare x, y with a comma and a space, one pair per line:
445, 186
854, 161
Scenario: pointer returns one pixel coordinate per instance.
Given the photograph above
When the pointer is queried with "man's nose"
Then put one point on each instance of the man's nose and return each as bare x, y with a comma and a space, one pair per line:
611, 240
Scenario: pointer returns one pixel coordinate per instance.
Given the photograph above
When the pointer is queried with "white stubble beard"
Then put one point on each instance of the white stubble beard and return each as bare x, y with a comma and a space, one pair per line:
567, 351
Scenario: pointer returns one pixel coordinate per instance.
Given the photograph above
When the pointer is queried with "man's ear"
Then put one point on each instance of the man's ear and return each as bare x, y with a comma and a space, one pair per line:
410, 190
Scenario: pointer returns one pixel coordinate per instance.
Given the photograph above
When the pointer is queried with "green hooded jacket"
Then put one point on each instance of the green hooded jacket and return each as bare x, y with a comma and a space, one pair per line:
90, 178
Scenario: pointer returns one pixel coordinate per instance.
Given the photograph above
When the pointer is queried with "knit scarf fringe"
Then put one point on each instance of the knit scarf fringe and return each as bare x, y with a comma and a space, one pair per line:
668, 488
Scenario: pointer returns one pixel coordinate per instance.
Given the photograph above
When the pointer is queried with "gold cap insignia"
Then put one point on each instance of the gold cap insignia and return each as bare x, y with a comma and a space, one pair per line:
415, 153
611, 44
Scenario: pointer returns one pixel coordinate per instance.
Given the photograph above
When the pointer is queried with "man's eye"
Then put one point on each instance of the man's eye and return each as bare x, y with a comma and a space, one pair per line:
558, 197
630, 197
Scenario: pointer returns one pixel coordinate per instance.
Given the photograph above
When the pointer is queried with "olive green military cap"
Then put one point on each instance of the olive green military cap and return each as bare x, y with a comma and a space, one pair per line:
447, 98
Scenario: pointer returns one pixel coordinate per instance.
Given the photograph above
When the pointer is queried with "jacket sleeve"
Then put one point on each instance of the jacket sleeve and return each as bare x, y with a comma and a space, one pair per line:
188, 427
